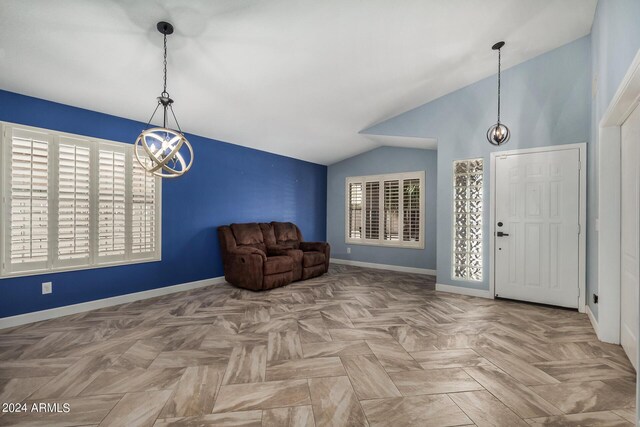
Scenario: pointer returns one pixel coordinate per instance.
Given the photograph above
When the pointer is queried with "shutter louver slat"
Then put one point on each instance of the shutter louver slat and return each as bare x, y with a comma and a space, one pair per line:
111, 203
73, 202
28, 223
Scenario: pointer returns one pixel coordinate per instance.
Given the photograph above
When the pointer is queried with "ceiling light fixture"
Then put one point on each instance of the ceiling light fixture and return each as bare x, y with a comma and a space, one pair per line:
498, 134
164, 152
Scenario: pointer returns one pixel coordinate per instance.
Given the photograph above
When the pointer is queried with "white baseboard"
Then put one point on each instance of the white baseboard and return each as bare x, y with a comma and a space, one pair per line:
384, 266
594, 321
463, 291
37, 316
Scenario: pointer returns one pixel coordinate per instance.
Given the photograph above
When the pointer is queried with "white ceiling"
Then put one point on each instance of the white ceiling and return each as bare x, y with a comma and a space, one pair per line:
298, 78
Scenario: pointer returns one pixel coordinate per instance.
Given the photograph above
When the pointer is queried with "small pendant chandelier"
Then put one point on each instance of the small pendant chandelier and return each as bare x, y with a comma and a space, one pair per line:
164, 152
498, 134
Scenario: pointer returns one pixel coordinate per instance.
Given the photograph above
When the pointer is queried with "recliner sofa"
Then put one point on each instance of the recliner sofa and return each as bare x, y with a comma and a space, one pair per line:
261, 256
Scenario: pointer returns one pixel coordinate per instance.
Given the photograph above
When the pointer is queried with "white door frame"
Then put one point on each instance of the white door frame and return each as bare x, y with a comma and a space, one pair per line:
582, 220
625, 100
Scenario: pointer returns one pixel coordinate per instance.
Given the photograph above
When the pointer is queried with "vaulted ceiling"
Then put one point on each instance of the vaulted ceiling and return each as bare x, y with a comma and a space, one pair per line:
298, 78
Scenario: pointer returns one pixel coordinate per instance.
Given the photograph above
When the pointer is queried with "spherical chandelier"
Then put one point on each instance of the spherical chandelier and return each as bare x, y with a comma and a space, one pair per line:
498, 134
163, 151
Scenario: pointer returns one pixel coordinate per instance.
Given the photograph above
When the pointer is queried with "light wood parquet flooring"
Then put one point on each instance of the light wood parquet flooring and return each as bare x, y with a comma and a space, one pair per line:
354, 347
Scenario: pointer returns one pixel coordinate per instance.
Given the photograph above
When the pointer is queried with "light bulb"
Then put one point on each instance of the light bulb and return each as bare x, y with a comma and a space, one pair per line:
498, 134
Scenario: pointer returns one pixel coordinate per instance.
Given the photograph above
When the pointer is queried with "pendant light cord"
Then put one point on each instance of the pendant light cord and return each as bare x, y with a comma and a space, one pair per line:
499, 61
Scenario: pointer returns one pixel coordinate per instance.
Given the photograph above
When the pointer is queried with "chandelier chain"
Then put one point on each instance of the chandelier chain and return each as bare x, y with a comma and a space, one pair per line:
165, 65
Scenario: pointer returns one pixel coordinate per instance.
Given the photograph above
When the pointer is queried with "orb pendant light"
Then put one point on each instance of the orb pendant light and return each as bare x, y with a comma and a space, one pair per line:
163, 151
498, 134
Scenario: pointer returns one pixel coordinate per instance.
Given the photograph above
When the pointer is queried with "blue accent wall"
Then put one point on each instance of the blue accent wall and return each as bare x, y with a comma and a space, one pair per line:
380, 161
615, 40
227, 183
545, 101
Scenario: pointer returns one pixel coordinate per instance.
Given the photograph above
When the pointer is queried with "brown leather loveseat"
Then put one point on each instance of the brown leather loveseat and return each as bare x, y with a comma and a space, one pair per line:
260, 256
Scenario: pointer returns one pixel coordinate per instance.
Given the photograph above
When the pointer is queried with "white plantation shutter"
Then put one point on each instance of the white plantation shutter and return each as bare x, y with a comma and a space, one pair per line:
143, 216
372, 210
411, 210
111, 202
355, 210
74, 201
393, 210
28, 244
71, 202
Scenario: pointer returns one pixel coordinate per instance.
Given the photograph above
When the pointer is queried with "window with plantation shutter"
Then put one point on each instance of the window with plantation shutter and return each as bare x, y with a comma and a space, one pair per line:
29, 162
74, 200
411, 210
372, 210
111, 202
393, 212
355, 210
143, 216
71, 202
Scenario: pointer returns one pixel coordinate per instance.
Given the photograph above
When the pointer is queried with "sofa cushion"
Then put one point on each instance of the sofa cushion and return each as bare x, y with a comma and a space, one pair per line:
278, 264
248, 234
286, 234
311, 259
267, 234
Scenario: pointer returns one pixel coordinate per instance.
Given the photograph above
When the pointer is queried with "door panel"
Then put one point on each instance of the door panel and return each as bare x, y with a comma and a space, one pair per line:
630, 236
538, 202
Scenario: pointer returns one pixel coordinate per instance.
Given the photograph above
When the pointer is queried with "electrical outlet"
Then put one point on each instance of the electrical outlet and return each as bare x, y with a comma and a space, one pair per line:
47, 288
348, 250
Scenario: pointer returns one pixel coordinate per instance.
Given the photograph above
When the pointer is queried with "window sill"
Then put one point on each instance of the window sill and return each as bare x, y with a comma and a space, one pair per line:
42, 272
419, 245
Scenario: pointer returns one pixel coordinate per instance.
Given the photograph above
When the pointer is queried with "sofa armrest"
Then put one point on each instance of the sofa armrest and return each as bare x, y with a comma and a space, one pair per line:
248, 250
313, 246
323, 247
244, 268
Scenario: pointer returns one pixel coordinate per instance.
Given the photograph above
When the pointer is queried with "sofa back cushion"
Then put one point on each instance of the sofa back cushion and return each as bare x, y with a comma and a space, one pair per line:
268, 234
286, 234
248, 234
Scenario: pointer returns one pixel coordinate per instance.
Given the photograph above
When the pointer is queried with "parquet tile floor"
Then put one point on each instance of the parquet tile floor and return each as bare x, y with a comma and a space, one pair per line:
354, 347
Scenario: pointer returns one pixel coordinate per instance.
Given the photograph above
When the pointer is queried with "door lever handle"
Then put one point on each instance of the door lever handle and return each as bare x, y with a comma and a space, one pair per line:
501, 234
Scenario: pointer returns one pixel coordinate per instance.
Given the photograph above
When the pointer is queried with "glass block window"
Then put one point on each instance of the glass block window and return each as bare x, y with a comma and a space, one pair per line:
467, 219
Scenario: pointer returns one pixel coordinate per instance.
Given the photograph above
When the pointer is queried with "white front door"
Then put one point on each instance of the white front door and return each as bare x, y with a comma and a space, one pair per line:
630, 236
537, 210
